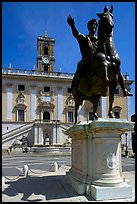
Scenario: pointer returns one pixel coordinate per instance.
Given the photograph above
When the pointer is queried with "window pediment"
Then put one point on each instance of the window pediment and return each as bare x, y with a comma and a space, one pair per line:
118, 108
46, 99
20, 101
70, 101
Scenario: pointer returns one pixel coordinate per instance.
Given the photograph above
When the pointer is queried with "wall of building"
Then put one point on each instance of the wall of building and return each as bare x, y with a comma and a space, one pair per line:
59, 87
33, 86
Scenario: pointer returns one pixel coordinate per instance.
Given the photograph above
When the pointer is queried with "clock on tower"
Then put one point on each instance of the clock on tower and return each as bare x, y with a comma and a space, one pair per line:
45, 59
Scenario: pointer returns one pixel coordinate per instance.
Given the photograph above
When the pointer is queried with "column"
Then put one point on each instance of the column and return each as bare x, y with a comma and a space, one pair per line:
54, 134
128, 108
40, 135
9, 102
59, 103
103, 107
36, 134
32, 102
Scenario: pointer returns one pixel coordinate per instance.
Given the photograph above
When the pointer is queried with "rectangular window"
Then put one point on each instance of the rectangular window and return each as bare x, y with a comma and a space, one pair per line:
46, 89
21, 87
21, 115
70, 116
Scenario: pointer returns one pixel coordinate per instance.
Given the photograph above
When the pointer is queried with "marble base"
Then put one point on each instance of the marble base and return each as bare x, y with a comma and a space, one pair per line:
96, 159
123, 191
78, 186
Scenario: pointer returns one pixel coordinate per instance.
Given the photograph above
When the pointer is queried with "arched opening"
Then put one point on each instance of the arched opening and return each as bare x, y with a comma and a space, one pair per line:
117, 111
46, 116
46, 68
45, 50
47, 136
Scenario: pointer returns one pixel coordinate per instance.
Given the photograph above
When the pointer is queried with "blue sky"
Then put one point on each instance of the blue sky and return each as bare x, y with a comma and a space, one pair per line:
23, 22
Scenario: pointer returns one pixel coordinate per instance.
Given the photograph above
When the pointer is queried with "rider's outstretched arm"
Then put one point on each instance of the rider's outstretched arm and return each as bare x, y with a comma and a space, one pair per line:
71, 23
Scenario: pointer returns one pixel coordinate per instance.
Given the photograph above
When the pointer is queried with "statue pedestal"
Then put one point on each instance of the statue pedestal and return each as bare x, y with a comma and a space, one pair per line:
96, 159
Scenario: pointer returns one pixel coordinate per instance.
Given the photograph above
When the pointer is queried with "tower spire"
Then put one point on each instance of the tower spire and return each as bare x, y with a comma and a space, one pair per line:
45, 34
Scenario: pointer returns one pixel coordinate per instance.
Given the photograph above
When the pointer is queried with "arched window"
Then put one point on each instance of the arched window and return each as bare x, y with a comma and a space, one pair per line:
117, 111
45, 50
46, 68
46, 116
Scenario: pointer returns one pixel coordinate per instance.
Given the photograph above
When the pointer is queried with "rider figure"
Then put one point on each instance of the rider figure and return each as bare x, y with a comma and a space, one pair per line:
88, 45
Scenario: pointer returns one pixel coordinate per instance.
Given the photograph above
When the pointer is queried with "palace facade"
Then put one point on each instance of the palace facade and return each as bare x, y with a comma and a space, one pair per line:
38, 105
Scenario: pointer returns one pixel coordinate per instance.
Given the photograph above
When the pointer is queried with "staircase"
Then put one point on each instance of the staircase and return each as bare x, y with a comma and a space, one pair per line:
64, 127
9, 138
16, 133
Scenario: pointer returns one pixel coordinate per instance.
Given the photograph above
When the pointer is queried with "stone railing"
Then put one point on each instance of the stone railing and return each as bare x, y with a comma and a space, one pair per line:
36, 73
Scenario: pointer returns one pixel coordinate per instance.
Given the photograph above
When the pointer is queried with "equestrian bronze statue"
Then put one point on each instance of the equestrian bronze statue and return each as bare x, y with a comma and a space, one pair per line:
99, 68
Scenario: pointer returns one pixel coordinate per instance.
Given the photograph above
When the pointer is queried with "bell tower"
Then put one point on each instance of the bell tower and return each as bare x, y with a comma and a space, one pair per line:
45, 58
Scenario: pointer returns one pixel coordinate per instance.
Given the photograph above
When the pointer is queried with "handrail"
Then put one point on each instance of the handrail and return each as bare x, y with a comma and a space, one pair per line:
15, 135
66, 126
13, 130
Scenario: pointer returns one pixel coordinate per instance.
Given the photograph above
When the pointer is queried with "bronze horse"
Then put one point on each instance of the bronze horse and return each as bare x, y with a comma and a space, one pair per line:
101, 71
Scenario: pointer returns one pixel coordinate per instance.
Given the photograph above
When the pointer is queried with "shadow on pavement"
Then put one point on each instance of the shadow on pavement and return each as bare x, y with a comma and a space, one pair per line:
51, 187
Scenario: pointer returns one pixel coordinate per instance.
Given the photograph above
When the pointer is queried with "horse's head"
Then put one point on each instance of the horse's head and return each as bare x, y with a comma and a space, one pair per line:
105, 22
